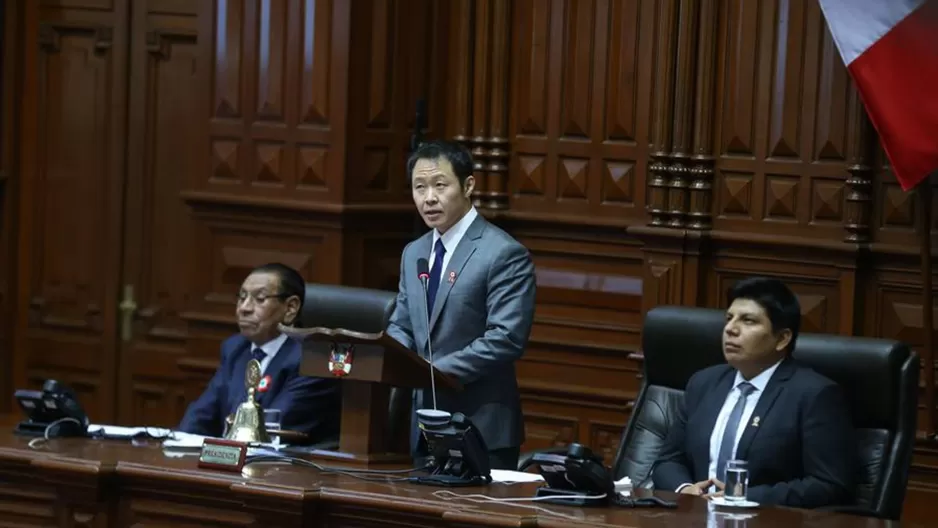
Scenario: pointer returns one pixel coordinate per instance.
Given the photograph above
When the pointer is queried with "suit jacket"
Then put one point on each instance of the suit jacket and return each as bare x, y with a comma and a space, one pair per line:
480, 325
310, 405
800, 453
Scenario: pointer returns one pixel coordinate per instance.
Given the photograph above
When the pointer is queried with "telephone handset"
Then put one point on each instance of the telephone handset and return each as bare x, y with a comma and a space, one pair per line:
570, 477
52, 412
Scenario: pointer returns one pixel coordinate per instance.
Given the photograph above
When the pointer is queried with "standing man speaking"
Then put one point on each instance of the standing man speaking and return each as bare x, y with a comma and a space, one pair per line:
479, 297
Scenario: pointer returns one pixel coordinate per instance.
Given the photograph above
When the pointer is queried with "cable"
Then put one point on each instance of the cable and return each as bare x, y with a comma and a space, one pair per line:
35, 443
363, 474
513, 501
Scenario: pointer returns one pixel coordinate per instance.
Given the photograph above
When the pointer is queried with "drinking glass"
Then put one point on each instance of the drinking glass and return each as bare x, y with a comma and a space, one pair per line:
736, 480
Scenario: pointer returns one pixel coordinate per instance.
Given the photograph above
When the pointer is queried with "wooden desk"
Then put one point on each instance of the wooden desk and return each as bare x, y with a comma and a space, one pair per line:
102, 483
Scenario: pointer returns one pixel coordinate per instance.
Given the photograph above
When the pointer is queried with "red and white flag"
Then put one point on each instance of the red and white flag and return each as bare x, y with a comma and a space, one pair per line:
890, 48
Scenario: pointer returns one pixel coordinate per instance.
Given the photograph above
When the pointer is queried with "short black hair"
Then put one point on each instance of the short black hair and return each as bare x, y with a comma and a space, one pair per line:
776, 298
291, 282
455, 153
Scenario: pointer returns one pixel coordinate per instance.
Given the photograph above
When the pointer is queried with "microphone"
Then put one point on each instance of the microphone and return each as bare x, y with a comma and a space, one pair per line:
434, 415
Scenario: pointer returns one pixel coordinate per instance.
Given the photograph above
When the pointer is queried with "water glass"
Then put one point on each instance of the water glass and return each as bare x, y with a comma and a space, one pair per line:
736, 480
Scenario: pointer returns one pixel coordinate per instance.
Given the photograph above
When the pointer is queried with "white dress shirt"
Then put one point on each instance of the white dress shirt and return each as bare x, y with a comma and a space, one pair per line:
716, 436
270, 348
451, 239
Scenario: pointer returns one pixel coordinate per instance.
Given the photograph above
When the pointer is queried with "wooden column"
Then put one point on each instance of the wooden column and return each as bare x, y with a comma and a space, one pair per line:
459, 86
859, 184
663, 111
684, 75
702, 160
496, 189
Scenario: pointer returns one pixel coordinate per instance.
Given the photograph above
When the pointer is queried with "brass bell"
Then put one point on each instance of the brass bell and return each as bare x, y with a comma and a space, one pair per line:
247, 425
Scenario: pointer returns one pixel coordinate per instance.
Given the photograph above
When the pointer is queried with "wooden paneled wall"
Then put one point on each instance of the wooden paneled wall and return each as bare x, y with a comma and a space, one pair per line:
647, 152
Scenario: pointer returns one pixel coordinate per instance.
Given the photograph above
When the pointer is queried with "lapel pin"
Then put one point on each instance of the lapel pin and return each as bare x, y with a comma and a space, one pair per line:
264, 384
452, 277
755, 422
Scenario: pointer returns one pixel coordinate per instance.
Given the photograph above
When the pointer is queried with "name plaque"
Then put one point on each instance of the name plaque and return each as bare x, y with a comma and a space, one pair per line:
226, 455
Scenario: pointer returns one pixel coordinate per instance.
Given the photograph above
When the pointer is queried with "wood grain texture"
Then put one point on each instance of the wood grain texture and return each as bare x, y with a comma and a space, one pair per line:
647, 152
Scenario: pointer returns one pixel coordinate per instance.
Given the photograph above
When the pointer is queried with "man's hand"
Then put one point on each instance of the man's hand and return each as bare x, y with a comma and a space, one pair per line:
698, 488
720, 487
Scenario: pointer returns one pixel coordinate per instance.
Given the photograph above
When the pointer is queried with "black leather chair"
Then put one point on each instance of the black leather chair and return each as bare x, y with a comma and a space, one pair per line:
670, 361
667, 368
362, 310
880, 378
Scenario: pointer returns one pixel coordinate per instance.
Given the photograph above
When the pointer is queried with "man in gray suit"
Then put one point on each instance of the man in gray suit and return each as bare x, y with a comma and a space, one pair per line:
480, 297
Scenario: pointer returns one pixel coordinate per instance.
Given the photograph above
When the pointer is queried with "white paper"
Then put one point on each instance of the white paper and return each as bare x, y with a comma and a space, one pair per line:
116, 431
183, 440
506, 476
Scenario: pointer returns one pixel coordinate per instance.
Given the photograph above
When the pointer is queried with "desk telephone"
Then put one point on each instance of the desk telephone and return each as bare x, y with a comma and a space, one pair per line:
52, 412
570, 479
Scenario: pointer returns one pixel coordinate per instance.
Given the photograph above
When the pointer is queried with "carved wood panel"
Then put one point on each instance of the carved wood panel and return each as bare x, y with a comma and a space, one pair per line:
277, 104
162, 148
581, 99
70, 234
9, 102
782, 130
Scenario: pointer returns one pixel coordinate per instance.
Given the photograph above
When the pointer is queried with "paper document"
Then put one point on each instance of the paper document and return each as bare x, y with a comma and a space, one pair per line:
506, 476
116, 431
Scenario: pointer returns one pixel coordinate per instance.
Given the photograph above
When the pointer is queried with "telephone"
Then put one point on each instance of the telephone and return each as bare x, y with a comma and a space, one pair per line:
571, 476
52, 412
458, 454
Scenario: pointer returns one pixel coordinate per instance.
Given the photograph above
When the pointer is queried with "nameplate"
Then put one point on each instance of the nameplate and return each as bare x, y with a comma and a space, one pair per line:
225, 455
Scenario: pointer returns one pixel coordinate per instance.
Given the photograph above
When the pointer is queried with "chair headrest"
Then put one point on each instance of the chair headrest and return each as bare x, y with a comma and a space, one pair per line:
678, 341
357, 309
866, 368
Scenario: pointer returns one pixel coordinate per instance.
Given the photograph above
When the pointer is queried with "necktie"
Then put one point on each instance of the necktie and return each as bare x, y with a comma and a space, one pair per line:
435, 271
258, 354
732, 425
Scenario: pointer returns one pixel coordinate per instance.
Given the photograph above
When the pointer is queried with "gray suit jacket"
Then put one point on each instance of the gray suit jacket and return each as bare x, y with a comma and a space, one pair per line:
480, 325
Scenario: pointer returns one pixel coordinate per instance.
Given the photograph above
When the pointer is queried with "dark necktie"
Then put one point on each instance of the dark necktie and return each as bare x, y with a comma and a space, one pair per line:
732, 425
435, 271
258, 354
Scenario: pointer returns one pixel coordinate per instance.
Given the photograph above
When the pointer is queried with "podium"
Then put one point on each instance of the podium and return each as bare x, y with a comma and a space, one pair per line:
350, 344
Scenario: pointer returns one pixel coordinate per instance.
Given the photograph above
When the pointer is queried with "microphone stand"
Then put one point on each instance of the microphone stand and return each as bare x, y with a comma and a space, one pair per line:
424, 278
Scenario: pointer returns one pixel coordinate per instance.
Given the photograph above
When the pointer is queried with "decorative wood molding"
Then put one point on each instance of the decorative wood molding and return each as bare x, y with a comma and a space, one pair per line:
159, 42
662, 114
859, 203
50, 35
702, 160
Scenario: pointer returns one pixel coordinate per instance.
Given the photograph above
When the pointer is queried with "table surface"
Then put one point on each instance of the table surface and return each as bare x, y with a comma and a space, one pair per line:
148, 464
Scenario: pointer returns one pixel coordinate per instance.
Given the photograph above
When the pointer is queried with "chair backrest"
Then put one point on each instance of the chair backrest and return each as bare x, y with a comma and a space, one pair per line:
676, 342
358, 309
879, 378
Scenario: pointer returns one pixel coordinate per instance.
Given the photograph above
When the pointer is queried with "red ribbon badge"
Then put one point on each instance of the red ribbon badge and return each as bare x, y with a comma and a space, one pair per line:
264, 384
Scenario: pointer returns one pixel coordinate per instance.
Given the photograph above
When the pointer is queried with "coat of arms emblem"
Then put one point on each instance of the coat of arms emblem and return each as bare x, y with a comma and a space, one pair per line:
340, 360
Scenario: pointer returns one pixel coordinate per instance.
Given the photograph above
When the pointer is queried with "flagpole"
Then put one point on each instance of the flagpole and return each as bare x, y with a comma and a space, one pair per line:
928, 326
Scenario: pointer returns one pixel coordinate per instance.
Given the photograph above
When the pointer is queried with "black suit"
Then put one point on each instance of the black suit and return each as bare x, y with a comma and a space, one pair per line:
801, 451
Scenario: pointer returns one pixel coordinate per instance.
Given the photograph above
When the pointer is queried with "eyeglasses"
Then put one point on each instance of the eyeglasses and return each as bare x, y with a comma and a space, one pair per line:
260, 297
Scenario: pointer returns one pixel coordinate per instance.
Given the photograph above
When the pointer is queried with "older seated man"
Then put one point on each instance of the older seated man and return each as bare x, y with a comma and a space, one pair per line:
271, 294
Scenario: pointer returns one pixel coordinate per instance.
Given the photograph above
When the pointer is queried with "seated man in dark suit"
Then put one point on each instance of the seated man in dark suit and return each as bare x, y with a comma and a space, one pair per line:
272, 294
788, 422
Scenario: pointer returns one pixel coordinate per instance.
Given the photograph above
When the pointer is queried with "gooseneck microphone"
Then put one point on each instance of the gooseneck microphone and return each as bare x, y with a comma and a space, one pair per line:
423, 273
